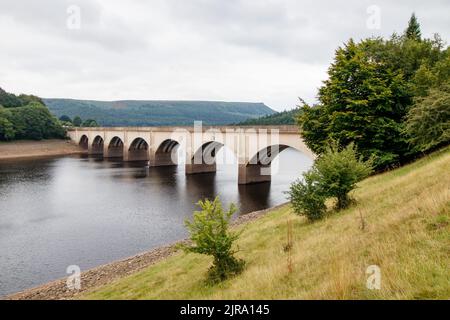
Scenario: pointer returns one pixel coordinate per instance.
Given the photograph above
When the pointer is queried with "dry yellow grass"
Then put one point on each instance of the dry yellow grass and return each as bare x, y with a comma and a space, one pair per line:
406, 213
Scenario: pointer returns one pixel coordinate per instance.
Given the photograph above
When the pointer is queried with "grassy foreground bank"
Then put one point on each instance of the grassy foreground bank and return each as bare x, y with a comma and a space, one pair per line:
406, 218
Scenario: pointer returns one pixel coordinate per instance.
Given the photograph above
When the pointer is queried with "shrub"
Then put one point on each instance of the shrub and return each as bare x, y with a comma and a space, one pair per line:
209, 234
338, 171
307, 197
334, 174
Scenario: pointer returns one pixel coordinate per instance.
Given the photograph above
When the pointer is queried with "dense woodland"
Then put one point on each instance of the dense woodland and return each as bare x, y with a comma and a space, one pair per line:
390, 97
26, 117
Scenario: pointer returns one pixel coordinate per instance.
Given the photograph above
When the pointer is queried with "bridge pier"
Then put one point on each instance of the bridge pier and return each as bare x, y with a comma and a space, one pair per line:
135, 155
161, 159
95, 150
113, 152
200, 168
113, 149
254, 173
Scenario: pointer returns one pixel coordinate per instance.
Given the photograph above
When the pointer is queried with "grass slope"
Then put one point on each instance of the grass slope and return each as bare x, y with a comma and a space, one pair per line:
406, 212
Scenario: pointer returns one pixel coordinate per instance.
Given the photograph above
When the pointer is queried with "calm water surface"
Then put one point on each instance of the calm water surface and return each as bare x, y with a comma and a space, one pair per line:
87, 212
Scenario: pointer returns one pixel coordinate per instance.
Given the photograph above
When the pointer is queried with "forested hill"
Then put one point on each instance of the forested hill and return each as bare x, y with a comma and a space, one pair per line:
26, 117
156, 113
279, 118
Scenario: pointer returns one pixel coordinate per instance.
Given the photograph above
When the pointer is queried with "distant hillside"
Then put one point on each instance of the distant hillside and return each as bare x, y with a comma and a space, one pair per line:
156, 113
279, 118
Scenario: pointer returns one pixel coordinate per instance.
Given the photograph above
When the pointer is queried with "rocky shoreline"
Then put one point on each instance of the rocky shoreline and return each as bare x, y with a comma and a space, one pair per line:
101, 275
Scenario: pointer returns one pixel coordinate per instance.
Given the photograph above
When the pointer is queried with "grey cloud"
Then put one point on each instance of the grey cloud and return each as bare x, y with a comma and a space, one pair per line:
251, 50
306, 31
50, 17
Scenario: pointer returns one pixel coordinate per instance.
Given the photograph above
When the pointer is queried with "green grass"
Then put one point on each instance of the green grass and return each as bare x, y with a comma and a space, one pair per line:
407, 234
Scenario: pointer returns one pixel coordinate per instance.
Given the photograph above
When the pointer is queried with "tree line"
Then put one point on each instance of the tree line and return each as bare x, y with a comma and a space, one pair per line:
77, 122
390, 97
26, 117
286, 117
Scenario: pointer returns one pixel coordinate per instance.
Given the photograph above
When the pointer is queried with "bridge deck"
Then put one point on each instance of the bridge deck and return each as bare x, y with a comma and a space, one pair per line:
282, 129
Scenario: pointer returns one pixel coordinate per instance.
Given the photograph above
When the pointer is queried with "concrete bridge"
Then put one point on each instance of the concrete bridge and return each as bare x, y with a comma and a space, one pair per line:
254, 147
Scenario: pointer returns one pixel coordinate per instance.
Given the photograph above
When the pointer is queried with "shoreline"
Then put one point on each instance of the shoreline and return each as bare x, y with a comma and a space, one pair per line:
28, 149
104, 274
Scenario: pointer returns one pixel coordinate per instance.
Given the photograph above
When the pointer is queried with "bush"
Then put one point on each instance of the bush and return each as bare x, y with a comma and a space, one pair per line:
338, 171
334, 174
209, 234
307, 198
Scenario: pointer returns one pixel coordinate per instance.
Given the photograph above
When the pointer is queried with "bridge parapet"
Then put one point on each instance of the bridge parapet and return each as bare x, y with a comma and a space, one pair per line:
282, 128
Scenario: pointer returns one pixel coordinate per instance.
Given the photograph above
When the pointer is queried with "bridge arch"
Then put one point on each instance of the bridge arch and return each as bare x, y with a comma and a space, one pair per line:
115, 148
207, 153
84, 142
259, 167
138, 150
97, 145
204, 158
266, 155
166, 154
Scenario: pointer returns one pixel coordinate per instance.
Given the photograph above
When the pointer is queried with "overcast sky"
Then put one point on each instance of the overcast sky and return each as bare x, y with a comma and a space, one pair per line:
270, 51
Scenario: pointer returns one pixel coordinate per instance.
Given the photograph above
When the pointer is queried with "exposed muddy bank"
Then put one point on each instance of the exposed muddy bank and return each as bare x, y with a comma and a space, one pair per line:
25, 149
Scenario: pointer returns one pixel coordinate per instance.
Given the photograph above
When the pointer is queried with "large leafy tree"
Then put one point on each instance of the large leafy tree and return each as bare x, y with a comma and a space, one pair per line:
9, 100
363, 101
370, 89
65, 118
77, 121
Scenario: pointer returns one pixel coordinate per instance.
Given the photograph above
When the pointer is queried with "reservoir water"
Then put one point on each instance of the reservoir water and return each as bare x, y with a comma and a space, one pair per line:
87, 212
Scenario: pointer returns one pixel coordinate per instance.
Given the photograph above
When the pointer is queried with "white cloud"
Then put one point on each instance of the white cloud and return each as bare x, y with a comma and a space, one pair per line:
236, 50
